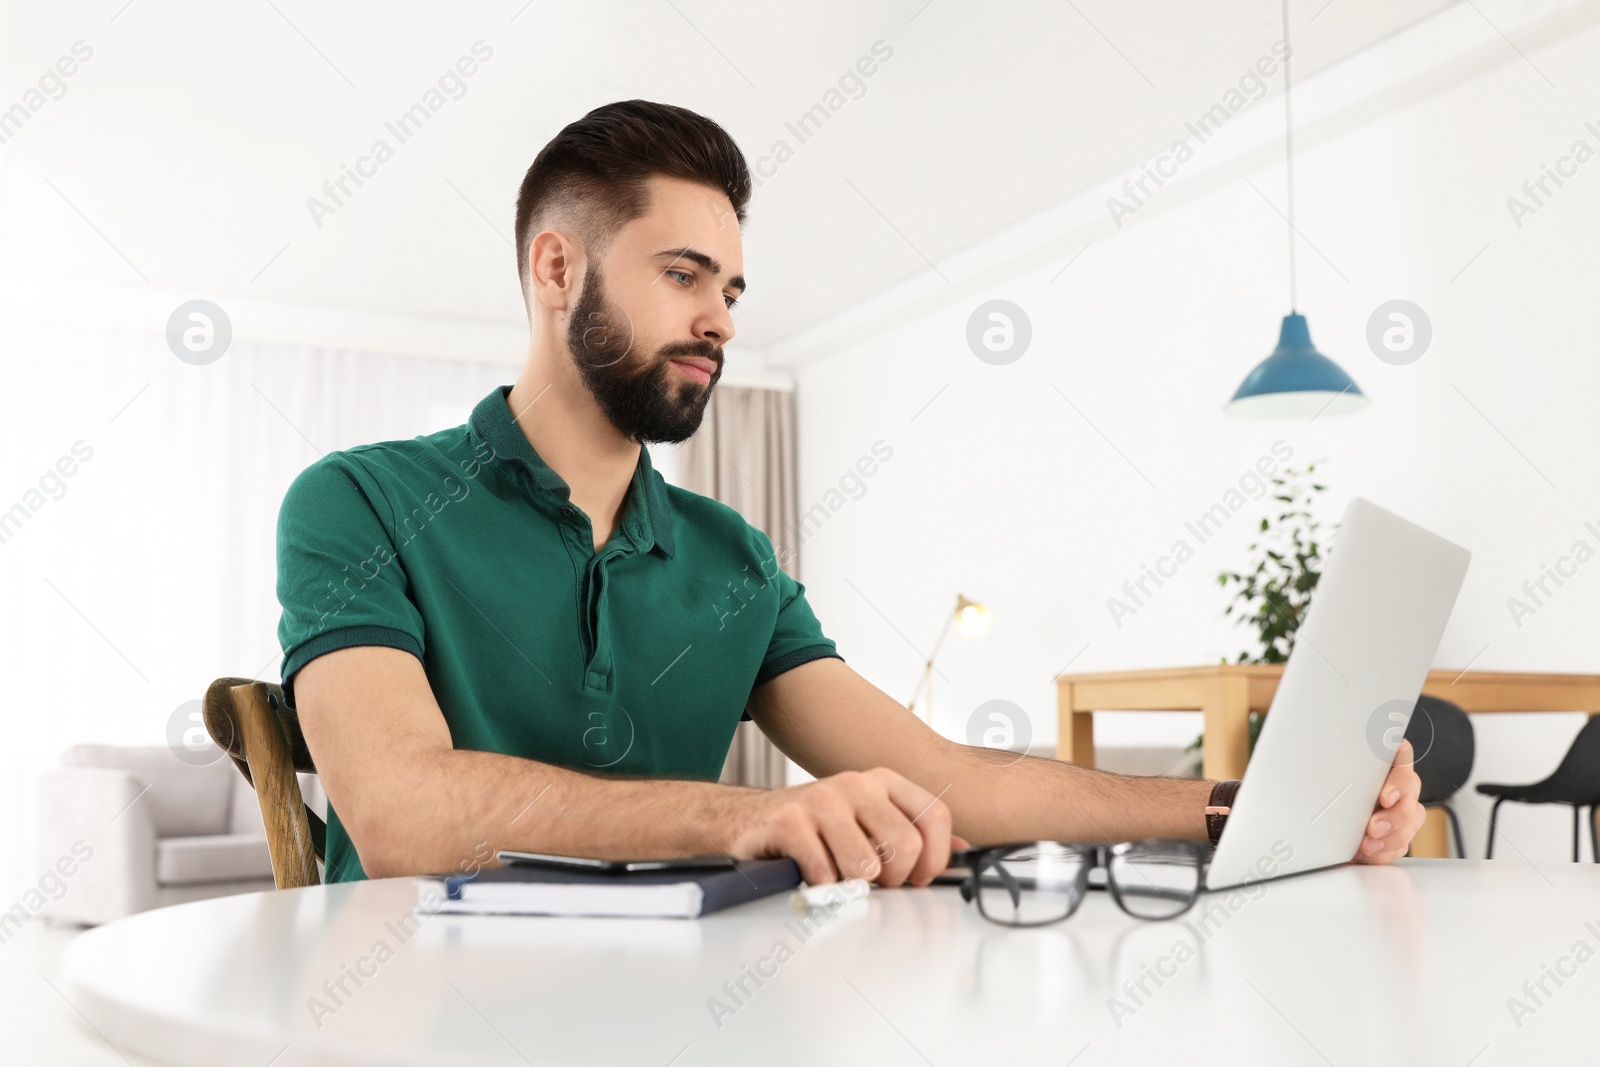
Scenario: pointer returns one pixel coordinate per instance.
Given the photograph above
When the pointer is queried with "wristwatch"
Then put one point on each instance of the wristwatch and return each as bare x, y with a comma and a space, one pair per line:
1218, 807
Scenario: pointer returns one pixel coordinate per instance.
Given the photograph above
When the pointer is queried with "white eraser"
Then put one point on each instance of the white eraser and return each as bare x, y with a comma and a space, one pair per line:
834, 895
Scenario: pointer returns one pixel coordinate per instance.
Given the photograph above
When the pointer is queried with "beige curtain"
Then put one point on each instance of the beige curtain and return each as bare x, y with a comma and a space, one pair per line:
744, 456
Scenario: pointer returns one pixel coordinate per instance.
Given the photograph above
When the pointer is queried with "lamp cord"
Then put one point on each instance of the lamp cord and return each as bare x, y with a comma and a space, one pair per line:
1288, 152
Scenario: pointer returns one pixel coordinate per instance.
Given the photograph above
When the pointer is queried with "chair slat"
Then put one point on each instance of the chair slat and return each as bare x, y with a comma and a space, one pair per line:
252, 722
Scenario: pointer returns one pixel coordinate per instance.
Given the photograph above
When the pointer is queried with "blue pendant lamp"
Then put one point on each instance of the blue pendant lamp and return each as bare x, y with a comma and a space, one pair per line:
1296, 381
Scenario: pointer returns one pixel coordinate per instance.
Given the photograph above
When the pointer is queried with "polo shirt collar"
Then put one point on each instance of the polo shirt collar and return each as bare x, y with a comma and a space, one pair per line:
647, 517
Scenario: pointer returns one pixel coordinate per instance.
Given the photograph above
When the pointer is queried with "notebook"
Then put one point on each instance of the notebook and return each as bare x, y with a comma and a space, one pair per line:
520, 890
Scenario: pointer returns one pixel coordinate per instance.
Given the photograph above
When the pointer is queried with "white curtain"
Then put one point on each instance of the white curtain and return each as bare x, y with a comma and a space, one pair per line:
132, 577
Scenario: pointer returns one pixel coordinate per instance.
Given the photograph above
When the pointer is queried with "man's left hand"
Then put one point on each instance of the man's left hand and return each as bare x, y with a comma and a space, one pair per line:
1398, 816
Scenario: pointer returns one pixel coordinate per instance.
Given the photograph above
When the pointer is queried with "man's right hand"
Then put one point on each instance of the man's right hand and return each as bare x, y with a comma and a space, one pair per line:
872, 824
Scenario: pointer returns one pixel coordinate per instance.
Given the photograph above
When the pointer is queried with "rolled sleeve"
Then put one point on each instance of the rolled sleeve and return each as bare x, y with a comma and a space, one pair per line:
797, 636
340, 581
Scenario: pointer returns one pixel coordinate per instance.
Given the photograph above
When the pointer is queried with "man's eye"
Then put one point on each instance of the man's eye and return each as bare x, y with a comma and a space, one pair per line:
731, 301
685, 275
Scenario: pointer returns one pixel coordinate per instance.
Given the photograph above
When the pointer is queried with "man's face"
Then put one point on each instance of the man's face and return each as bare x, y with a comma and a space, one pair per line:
648, 341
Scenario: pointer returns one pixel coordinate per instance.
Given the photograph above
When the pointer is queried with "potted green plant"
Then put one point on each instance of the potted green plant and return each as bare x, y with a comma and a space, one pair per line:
1272, 595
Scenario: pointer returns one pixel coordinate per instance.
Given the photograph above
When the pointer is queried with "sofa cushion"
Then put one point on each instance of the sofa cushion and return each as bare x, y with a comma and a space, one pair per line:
212, 858
184, 799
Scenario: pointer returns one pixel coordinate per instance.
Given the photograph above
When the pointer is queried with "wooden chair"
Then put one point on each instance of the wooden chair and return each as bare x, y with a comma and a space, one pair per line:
252, 723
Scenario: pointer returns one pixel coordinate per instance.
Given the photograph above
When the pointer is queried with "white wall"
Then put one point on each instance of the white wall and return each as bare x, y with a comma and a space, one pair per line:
1001, 490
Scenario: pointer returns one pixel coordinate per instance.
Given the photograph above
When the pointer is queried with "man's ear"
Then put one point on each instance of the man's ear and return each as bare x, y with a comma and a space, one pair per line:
555, 269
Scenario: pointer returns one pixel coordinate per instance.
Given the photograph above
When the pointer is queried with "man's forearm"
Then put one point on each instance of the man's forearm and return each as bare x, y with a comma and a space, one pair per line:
453, 802
995, 797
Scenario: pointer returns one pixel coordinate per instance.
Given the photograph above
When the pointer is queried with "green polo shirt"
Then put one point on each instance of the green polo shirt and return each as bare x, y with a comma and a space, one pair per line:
464, 549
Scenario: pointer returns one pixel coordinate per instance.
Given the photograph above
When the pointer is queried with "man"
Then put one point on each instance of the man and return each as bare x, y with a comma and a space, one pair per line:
513, 634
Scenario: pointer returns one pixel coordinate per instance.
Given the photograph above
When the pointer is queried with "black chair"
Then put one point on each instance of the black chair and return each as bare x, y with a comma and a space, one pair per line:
1576, 782
1441, 737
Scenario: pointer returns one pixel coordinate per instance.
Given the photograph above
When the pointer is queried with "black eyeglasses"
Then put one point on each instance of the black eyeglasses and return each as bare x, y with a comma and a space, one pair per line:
1040, 882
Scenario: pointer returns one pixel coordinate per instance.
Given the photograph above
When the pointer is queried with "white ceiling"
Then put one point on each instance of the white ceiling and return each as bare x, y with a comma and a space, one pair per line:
182, 154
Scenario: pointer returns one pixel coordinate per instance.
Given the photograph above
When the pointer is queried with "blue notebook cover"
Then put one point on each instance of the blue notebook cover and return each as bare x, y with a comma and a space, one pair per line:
749, 880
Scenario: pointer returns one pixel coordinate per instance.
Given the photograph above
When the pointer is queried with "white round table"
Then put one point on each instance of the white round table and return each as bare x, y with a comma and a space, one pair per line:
1426, 962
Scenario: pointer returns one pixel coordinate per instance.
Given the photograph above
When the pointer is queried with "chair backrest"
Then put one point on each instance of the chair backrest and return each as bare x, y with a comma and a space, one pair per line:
253, 724
1441, 737
1578, 775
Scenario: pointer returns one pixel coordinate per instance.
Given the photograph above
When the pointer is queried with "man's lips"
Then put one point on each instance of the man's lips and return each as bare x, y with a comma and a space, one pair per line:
699, 368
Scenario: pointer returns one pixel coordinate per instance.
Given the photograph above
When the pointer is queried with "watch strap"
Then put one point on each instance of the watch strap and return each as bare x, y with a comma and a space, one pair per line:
1218, 807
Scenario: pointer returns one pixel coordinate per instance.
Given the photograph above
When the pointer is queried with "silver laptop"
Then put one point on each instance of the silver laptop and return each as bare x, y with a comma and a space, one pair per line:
1359, 661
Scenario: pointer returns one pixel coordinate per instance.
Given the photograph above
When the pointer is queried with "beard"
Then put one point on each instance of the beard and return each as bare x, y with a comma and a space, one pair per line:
639, 394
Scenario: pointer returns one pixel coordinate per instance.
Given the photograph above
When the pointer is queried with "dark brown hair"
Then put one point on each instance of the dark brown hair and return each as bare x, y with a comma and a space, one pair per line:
596, 169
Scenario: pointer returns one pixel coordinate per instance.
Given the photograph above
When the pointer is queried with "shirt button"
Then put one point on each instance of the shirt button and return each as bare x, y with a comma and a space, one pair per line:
567, 513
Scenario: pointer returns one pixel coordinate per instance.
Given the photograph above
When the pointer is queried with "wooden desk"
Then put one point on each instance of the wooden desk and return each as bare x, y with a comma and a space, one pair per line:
1227, 693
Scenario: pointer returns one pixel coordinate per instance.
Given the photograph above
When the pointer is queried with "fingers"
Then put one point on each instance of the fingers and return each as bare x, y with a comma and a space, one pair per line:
896, 843
1389, 834
929, 816
874, 825
1403, 783
1402, 773
907, 828
793, 832
1398, 815
813, 859
846, 822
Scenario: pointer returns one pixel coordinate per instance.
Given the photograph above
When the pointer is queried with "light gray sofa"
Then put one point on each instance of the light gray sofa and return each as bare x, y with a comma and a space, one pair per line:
162, 831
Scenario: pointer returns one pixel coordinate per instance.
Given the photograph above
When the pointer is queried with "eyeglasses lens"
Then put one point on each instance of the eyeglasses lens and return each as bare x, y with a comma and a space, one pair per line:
1037, 884
1155, 882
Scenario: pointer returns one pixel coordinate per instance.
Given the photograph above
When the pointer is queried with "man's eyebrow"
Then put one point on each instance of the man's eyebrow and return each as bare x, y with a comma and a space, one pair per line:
711, 266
